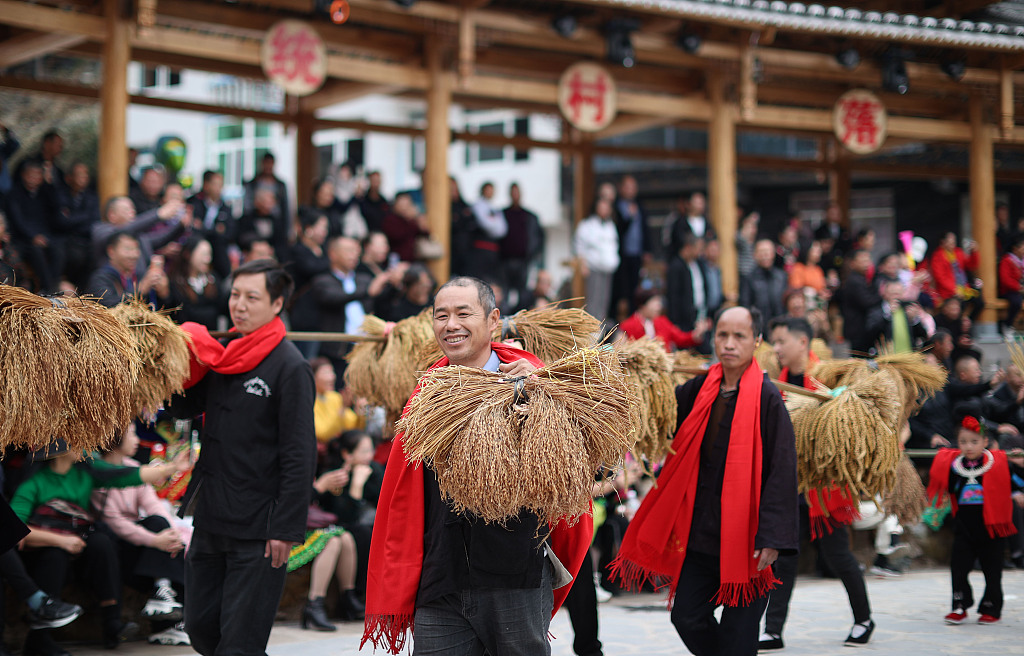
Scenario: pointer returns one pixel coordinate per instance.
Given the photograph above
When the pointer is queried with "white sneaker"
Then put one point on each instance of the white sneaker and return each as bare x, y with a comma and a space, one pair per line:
163, 605
173, 636
602, 594
884, 572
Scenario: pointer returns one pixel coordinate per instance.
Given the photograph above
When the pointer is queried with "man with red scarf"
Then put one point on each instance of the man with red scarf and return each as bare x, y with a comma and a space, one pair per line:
465, 588
250, 489
824, 520
726, 503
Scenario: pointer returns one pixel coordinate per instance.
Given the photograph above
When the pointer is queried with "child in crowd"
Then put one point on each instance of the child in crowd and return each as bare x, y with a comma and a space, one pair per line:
982, 490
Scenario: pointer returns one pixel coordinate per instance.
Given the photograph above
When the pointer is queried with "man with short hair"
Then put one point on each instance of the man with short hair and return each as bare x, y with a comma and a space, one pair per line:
523, 243
119, 279
119, 216
342, 298
267, 179
250, 489
266, 221
149, 195
726, 502
856, 300
33, 209
484, 257
825, 518
214, 220
80, 212
498, 598
633, 245
894, 322
766, 284
686, 286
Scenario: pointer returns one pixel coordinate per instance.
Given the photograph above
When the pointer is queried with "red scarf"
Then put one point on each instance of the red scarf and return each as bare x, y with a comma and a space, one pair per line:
396, 550
655, 542
835, 504
995, 484
239, 356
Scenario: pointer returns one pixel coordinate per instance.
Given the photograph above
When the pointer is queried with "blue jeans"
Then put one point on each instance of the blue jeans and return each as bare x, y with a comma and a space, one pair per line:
493, 621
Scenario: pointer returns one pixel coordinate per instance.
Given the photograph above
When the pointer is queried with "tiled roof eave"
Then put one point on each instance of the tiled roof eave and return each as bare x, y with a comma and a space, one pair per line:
840, 22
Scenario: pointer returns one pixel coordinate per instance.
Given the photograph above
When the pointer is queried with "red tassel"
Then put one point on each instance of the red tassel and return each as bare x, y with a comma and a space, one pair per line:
633, 576
1001, 530
820, 527
743, 594
391, 631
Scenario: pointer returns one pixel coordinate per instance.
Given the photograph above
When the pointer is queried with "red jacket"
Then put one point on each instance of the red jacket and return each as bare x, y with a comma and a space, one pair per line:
1009, 276
942, 271
664, 330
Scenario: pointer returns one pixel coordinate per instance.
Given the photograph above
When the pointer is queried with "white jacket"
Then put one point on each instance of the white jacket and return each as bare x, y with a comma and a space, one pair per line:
597, 242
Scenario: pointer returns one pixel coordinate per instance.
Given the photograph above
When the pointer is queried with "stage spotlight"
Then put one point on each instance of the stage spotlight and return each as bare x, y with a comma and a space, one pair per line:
954, 68
689, 42
564, 24
848, 58
894, 73
619, 38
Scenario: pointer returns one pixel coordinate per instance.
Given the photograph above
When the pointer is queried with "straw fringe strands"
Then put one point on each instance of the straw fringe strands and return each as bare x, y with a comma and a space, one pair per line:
550, 332
907, 499
765, 356
362, 374
650, 372
1016, 353
819, 347
163, 350
499, 445
69, 368
683, 363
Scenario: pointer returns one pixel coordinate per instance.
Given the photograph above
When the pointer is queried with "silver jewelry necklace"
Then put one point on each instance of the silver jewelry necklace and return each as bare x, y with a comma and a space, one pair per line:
972, 474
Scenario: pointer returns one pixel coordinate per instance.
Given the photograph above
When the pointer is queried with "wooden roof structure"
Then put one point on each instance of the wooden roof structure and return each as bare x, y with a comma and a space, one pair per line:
755, 65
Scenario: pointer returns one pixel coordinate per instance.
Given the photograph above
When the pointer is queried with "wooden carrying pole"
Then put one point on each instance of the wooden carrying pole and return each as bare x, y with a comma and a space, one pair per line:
309, 336
783, 387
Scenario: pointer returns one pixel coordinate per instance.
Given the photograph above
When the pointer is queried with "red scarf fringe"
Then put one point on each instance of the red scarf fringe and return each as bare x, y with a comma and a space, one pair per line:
995, 484
654, 546
388, 631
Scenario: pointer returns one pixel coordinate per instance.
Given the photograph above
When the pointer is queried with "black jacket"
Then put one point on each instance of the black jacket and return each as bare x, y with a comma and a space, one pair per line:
680, 309
305, 266
857, 301
331, 299
880, 323
778, 524
259, 449
764, 288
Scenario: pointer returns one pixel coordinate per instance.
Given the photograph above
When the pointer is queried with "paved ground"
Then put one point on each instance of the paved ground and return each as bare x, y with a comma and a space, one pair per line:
908, 612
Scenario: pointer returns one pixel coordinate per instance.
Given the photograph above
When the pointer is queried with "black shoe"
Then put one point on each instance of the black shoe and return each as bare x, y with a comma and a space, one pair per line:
118, 632
52, 614
349, 607
769, 642
1018, 562
863, 638
314, 616
41, 643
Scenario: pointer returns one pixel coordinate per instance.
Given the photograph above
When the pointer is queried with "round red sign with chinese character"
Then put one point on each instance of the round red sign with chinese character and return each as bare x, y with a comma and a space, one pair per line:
860, 121
294, 57
587, 96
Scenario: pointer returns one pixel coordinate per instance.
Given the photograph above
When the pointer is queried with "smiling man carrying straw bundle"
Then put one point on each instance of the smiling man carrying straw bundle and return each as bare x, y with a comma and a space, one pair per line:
465, 587
726, 503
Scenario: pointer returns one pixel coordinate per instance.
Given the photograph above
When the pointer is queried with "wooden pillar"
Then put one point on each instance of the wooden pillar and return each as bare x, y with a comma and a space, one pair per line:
583, 195
305, 157
839, 181
112, 177
437, 195
983, 204
722, 181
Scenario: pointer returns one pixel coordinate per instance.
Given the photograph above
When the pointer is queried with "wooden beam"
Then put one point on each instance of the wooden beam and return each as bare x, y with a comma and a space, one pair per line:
630, 123
438, 138
28, 46
365, 127
112, 178
338, 91
983, 204
467, 43
1006, 102
36, 17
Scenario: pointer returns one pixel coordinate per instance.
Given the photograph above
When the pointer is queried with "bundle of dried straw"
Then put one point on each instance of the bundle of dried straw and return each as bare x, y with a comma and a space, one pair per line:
499, 445
550, 332
650, 373
907, 498
851, 441
916, 379
362, 375
163, 351
69, 368
684, 363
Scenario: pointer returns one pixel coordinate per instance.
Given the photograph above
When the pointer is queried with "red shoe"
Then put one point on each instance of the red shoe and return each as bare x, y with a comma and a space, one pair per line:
957, 616
988, 619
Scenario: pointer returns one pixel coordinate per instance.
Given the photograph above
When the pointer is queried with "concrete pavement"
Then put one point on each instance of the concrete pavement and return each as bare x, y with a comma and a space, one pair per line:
908, 611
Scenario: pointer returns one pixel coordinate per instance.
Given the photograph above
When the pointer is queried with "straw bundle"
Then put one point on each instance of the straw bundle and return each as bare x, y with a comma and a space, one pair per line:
410, 349
906, 499
851, 441
916, 379
162, 348
819, 347
499, 445
363, 374
1016, 354
683, 362
69, 368
650, 374
765, 356
550, 332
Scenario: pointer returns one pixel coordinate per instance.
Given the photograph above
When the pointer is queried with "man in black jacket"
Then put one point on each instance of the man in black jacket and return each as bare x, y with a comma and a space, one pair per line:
342, 298
856, 302
766, 284
214, 220
686, 285
250, 489
894, 321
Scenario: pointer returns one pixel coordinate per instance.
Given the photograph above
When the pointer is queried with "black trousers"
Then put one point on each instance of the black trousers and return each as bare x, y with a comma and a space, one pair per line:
693, 612
98, 565
834, 549
581, 603
1014, 302
233, 595
13, 574
142, 565
971, 543
624, 284
1016, 541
